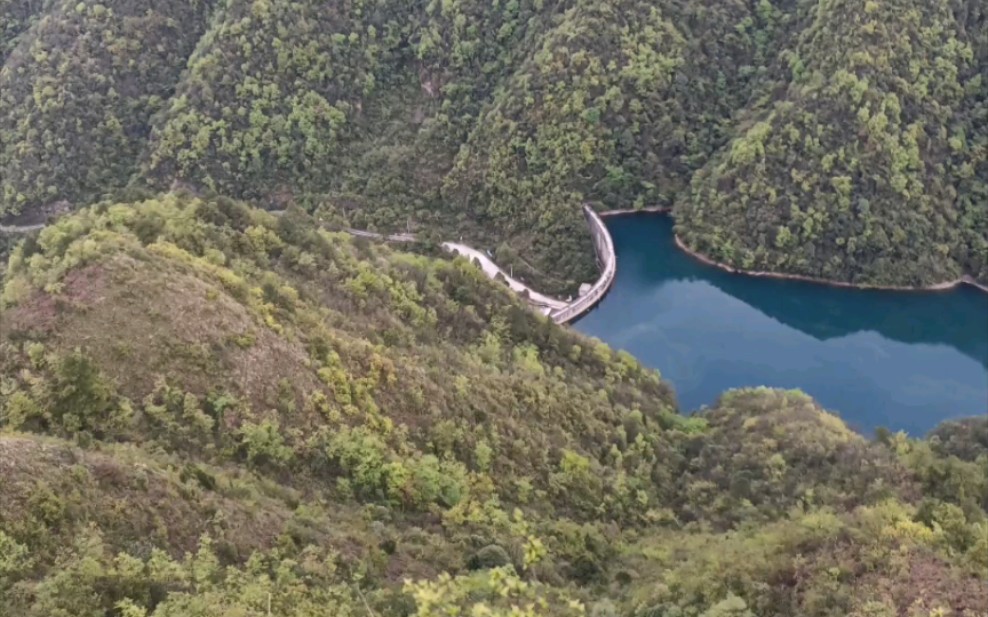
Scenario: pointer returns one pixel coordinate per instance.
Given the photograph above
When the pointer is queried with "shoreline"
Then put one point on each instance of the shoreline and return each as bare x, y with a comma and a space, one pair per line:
945, 286
665, 211
633, 211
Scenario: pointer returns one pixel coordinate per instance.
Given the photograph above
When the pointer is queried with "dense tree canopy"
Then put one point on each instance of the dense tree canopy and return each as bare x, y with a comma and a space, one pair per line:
77, 93
831, 138
863, 169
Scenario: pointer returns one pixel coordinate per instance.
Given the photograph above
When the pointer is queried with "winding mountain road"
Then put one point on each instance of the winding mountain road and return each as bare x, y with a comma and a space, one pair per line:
558, 310
491, 269
19, 229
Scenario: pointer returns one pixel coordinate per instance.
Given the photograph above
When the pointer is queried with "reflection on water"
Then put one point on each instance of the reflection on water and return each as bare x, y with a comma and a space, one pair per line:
896, 359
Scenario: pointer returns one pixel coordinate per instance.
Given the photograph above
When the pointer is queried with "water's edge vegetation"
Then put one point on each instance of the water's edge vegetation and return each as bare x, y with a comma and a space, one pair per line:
661, 211
856, 350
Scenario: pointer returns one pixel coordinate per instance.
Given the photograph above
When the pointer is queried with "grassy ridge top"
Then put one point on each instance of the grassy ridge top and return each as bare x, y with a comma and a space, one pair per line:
827, 138
205, 409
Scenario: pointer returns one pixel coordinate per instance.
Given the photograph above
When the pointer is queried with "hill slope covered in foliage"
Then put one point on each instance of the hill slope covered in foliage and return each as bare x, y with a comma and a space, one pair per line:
831, 138
208, 410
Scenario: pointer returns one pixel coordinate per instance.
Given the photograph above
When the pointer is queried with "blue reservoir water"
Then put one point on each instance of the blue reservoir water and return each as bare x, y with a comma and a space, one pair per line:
903, 360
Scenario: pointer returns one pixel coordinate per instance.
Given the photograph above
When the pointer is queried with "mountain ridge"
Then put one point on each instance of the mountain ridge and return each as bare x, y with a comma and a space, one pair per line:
206, 409
497, 121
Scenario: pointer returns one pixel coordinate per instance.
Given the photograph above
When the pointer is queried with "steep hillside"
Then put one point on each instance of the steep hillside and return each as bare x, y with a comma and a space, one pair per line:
829, 138
208, 410
864, 169
77, 92
618, 104
16, 17
270, 98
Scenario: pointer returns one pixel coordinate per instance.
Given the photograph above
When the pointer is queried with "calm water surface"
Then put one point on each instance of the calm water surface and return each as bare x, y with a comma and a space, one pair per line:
900, 360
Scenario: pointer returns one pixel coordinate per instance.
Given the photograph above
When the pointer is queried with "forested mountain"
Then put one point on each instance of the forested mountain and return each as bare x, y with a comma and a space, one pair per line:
865, 167
207, 410
834, 138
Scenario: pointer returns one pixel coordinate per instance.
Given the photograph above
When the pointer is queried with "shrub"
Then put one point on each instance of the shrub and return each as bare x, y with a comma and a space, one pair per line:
491, 556
264, 443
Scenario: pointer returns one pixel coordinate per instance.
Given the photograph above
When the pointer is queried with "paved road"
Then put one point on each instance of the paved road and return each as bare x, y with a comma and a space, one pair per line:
390, 238
491, 269
19, 229
559, 310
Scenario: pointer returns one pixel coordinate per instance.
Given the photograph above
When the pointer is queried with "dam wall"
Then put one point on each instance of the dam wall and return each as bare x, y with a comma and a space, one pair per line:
607, 262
